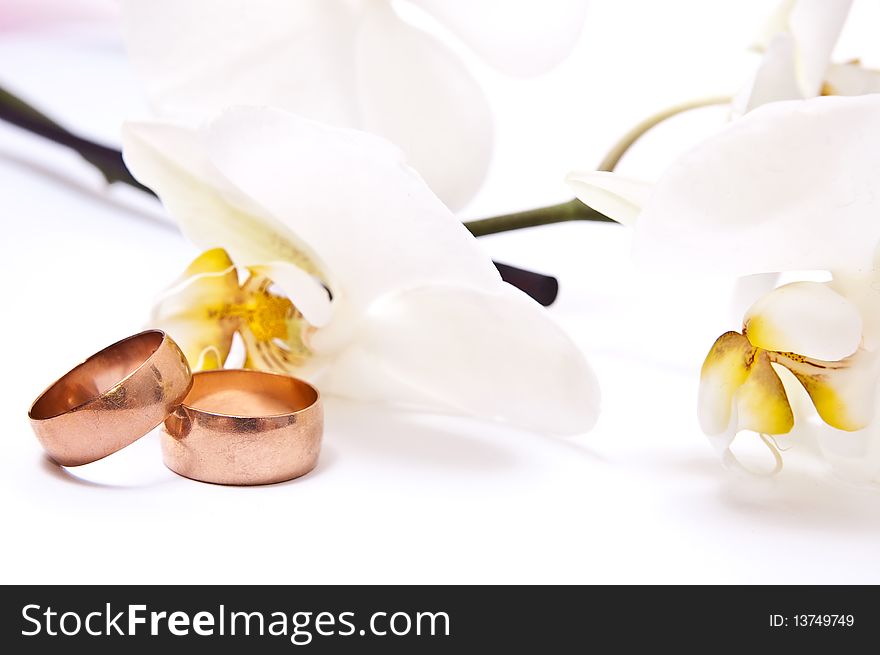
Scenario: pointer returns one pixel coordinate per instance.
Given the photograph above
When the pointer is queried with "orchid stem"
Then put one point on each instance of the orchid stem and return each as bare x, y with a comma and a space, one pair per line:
107, 160
574, 210
610, 161
571, 210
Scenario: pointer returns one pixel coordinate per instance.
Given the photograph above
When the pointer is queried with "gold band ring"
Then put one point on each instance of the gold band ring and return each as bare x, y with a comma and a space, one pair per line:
112, 399
244, 427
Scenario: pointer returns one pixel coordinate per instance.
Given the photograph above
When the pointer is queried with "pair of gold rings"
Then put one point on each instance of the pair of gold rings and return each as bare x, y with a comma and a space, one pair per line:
226, 426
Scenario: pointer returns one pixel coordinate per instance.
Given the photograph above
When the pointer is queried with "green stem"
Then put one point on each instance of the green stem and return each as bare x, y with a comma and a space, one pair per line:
571, 210
610, 161
574, 210
107, 160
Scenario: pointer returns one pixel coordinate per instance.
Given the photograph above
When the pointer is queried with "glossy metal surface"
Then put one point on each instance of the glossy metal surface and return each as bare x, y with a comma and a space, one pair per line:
112, 399
244, 427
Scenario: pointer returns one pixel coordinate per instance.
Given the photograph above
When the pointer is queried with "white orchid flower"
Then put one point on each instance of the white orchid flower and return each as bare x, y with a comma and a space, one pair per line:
813, 335
791, 186
352, 63
361, 280
796, 47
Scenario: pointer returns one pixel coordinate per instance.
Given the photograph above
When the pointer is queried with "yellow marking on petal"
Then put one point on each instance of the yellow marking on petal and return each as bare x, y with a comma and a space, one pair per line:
209, 359
723, 373
215, 260
730, 356
843, 392
827, 90
762, 404
736, 374
760, 331
831, 407
191, 309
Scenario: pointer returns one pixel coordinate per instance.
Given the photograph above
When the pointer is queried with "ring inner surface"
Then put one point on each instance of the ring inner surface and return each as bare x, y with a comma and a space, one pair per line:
250, 394
97, 375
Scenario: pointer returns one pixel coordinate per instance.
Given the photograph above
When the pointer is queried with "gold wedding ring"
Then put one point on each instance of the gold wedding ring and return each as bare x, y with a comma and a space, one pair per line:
226, 426
244, 427
112, 399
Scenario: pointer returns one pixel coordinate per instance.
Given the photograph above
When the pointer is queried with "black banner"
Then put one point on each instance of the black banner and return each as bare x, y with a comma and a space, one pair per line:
433, 619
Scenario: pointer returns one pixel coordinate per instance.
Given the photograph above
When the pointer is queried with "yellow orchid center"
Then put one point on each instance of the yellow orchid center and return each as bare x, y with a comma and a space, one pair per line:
265, 314
209, 305
739, 376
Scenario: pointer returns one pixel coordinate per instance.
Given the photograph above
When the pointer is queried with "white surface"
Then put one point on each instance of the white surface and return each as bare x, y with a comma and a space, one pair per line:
407, 498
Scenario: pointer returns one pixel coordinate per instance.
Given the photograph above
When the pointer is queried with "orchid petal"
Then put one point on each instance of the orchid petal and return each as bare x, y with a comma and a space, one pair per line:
417, 93
774, 79
447, 349
519, 37
810, 29
762, 404
862, 289
346, 64
172, 160
724, 371
790, 186
350, 197
198, 56
816, 26
747, 290
851, 79
616, 196
844, 392
739, 390
797, 43
808, 318
776, 23
187, 311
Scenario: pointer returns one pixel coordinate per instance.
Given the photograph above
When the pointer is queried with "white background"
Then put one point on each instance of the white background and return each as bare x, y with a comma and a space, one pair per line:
408, 498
